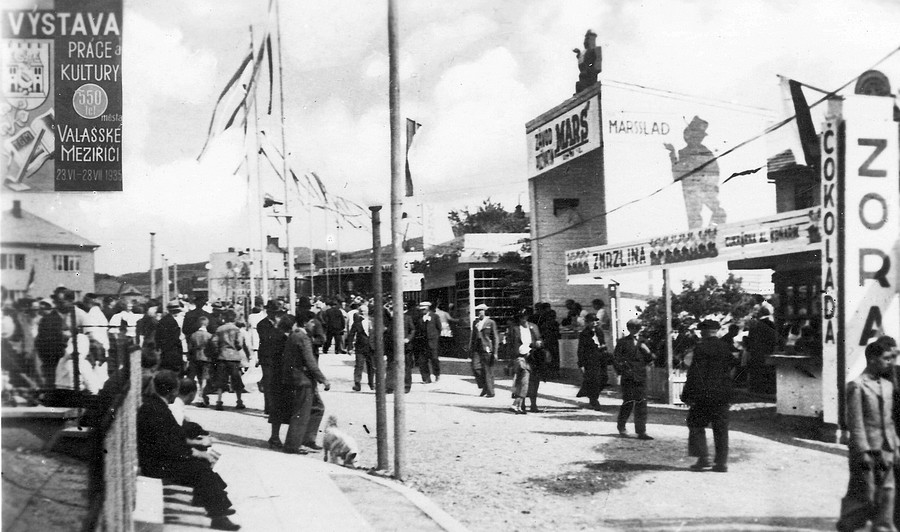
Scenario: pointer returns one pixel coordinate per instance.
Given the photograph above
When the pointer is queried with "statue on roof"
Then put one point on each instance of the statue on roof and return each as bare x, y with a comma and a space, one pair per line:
589, 62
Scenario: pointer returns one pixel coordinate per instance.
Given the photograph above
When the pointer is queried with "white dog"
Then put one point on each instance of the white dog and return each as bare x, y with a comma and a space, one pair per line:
339, 445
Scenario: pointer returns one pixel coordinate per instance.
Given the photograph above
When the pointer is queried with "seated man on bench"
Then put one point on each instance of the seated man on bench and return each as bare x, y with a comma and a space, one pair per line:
164, 453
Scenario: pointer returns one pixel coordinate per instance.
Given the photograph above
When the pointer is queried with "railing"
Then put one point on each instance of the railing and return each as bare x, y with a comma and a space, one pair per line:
115, 467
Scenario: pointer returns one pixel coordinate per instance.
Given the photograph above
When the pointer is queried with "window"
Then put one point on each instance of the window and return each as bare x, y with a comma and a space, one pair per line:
12, 261
66, 263
14, 295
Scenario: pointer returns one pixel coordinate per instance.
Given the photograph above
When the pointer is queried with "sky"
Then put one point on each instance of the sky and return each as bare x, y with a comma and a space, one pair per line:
472, 73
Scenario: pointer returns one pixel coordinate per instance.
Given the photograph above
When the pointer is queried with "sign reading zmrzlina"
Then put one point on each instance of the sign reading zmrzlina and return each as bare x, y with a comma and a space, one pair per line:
564, 137
61, 96
780, 234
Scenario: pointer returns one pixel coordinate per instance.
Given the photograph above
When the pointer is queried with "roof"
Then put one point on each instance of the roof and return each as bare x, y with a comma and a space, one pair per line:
784, 166
781, 161
32, 230
114, 287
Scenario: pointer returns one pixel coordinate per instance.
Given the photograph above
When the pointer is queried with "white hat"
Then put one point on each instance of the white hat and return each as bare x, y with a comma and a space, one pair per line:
481, 307
426, 304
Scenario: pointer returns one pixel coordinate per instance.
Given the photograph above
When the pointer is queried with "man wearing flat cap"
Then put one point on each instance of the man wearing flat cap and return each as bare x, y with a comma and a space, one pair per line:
707, 392
631, 358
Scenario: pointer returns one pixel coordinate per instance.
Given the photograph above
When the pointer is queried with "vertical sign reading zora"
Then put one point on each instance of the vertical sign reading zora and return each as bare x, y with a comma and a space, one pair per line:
872, 213
61, 105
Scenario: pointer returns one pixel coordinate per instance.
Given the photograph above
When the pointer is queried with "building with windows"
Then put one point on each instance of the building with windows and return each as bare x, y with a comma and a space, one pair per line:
37, 256
476, 268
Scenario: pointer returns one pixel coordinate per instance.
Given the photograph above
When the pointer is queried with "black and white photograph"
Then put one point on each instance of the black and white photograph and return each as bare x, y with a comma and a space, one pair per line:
412, 265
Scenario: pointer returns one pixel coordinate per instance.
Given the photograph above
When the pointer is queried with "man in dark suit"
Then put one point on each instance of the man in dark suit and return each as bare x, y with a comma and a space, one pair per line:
408, 331
360, 338
708, 392
873, 445
630, 359
593, 359
164, 453
302, 373
271, 345
192, 318
168, 340
483, 347
425, 342
333, 320
525, 339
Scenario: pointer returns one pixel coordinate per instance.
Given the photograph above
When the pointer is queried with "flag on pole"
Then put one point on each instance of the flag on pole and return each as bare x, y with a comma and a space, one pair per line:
799, 135
30, 282
235, 100
411, 127
269, 200
808, 138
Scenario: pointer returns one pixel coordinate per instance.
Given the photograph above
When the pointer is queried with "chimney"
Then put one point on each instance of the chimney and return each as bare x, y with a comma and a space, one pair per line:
271, 241
230, 250
17, 209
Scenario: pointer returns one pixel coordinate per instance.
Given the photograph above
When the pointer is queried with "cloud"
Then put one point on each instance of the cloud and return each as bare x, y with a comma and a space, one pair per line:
158, 64
475, 131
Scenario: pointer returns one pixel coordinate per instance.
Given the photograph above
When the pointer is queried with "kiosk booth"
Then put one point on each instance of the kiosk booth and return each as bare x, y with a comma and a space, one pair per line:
835, 262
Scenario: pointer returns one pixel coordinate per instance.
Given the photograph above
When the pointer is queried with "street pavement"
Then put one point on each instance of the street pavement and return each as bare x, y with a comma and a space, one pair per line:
775, 482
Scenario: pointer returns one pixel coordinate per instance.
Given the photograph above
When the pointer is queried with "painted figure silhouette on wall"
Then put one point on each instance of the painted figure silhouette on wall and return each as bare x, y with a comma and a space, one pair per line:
700, 187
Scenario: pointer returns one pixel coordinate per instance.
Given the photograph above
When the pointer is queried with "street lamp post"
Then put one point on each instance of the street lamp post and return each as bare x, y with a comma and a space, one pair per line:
381, 436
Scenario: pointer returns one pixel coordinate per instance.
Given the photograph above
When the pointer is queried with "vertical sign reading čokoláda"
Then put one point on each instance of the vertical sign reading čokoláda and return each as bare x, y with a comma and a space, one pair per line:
61, 95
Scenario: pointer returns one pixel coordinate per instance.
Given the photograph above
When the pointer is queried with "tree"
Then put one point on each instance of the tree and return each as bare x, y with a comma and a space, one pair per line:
689, 307
489, 218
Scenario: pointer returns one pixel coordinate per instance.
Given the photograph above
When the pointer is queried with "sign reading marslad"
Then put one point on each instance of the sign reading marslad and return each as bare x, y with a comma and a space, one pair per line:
61, 96
565, 137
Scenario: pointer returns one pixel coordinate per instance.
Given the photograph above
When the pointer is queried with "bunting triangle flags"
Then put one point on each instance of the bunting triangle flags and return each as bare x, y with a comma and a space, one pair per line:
411, 127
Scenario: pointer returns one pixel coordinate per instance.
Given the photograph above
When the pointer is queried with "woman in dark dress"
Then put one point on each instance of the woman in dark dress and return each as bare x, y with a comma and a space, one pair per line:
282, 397
593, 359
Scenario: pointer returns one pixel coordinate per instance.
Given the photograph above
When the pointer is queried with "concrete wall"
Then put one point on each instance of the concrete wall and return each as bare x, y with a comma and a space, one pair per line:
582, 180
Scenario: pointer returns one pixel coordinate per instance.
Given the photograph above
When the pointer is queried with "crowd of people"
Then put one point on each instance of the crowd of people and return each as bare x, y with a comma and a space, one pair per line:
195, 350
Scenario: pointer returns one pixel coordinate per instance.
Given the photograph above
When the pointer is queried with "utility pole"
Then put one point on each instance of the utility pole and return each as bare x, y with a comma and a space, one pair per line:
164, 293
397, 183
292, 293
667, 289
175, 279
340, 288
152, 265
381, 436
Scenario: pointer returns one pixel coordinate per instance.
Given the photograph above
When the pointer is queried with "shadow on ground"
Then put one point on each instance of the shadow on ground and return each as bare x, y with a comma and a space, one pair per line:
242, 441
769, 524
595, 477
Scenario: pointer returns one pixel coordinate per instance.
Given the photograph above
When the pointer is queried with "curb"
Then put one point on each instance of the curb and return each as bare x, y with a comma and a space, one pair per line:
418, 499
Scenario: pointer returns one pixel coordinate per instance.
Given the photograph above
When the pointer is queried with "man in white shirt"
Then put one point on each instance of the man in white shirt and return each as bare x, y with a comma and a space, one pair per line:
95, 323
445, 342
